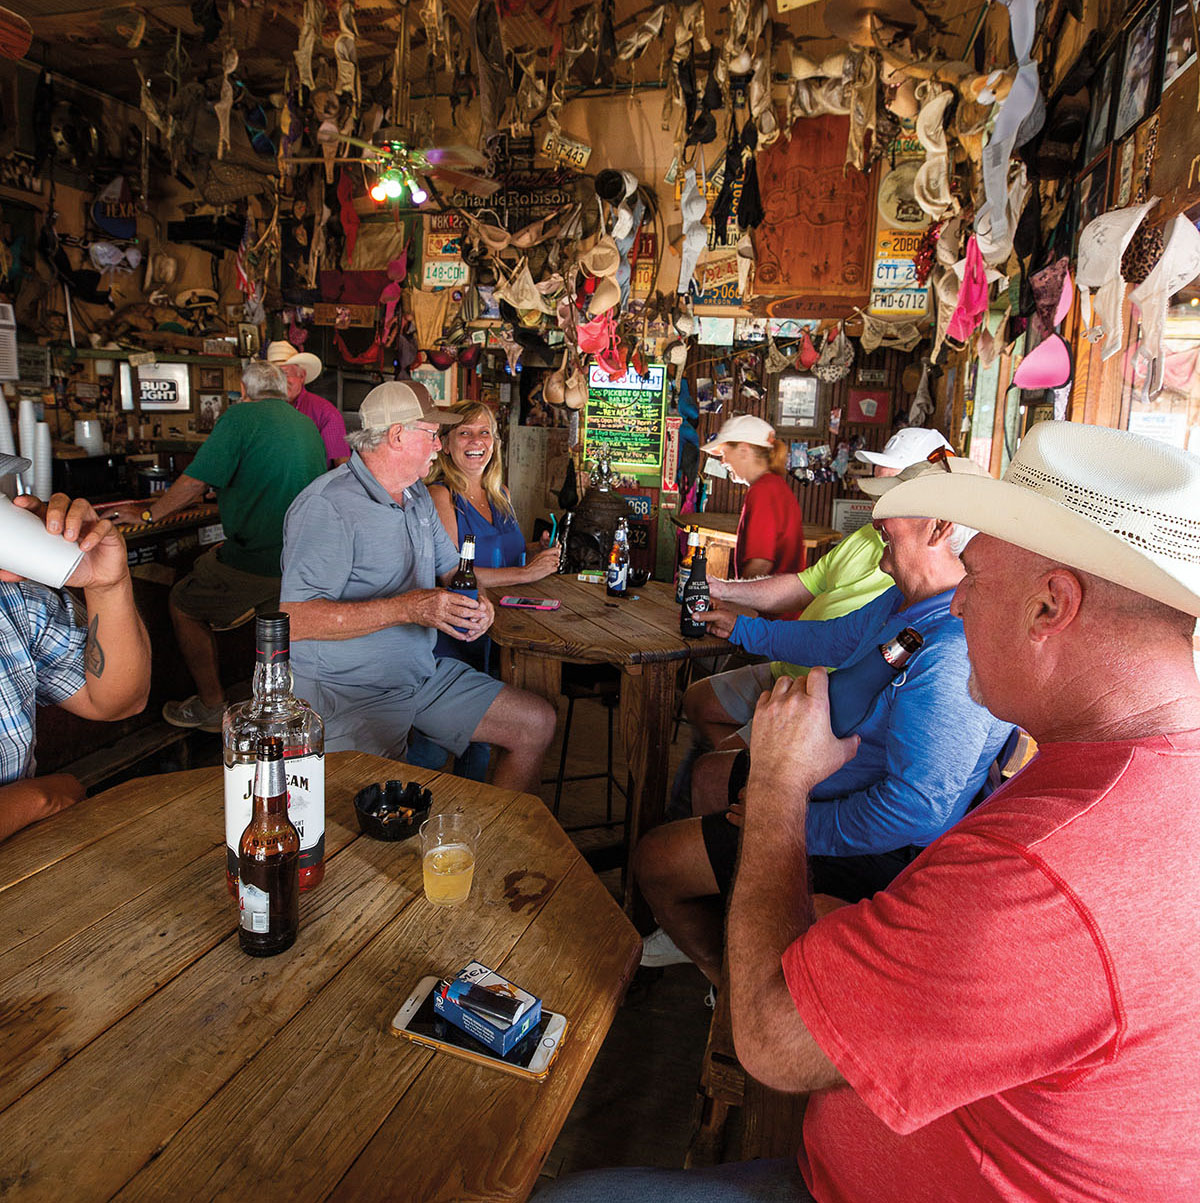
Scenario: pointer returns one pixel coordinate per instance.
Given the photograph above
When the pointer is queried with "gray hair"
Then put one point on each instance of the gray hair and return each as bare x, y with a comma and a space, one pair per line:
261, 379
960, 536
367, 440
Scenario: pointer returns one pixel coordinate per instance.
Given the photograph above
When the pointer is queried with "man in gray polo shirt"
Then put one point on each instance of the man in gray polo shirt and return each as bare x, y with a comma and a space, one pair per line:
363, 554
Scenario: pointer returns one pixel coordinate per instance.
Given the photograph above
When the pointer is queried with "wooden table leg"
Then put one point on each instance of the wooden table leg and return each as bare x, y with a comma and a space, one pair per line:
647, 699
539, 674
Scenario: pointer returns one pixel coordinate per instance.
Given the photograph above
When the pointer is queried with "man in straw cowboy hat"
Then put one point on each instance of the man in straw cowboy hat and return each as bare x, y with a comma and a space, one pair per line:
301, 368
1014, 1017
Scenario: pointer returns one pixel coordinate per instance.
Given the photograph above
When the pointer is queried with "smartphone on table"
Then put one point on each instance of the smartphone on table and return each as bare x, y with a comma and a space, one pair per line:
531, 603
531, 1058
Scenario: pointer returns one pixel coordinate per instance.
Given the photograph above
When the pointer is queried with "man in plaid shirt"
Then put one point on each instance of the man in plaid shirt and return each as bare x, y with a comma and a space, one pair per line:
97, 671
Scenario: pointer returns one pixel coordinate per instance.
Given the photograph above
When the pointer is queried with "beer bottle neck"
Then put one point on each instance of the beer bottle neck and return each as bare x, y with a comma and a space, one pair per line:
270, 788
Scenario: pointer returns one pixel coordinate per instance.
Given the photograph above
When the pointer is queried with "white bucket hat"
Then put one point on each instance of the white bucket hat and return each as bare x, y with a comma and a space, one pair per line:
745, 428
912, 445
1120, 506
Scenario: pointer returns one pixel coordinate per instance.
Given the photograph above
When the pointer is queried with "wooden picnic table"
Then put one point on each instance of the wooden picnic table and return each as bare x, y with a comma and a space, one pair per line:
143, 1055
639, 635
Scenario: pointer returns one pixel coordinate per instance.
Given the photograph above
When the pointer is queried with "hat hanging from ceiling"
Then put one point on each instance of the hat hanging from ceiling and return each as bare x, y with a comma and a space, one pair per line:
195, 300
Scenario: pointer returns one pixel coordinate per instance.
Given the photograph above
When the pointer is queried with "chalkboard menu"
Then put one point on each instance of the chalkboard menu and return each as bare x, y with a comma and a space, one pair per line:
624, 418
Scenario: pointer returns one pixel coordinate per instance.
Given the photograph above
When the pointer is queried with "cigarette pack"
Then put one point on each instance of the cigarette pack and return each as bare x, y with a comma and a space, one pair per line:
480, 1002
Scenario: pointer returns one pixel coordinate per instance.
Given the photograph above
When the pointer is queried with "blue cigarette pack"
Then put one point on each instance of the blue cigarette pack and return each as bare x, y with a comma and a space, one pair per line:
479, 1002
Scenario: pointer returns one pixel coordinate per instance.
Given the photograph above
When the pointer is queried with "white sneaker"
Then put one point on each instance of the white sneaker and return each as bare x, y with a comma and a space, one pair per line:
658, 949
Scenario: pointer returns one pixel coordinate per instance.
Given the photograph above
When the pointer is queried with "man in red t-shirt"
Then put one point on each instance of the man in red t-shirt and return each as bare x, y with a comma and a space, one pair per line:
1014, 1017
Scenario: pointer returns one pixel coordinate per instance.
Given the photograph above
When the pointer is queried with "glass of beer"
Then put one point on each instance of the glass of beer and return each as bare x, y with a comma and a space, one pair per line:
448, 857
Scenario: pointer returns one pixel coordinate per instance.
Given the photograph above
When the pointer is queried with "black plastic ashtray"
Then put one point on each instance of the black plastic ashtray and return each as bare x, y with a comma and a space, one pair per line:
393, 810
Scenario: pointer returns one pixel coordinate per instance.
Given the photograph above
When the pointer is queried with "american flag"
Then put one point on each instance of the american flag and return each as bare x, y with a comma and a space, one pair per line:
244, 283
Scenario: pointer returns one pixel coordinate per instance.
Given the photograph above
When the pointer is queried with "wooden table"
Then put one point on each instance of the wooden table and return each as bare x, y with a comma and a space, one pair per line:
640, 636
144, 1056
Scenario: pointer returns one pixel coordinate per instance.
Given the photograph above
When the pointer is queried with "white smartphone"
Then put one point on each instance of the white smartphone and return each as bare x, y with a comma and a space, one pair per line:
531, 1058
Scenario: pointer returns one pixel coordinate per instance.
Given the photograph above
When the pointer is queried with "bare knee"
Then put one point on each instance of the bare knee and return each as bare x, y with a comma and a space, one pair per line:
670, 861
519, 721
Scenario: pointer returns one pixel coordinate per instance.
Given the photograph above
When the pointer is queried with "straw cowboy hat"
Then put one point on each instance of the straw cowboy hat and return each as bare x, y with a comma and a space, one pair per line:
283, 354
1120, 506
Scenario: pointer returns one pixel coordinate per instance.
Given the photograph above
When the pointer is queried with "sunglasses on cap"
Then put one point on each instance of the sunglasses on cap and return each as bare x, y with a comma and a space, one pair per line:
943, 456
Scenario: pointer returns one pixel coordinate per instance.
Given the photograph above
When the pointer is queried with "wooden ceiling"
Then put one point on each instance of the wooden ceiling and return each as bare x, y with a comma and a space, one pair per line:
79, 39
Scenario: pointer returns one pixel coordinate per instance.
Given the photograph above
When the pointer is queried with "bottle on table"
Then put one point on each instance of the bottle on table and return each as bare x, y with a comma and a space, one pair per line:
564, 537
273, 710
685, 564
853, 689
696, 598
269, 861
617, 579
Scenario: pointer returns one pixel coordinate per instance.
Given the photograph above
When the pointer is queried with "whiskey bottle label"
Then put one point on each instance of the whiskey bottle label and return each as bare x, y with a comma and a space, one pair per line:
306, 805
239, 805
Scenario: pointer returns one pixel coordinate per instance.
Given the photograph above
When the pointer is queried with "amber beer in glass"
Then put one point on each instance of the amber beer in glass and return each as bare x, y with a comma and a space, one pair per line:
269, 862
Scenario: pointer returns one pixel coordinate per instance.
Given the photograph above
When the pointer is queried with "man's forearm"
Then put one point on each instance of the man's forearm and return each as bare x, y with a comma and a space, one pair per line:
321, 619
182, 493
782, 594
116, 655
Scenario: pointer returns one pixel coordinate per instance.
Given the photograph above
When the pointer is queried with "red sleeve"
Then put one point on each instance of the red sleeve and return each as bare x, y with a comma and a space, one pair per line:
974, 972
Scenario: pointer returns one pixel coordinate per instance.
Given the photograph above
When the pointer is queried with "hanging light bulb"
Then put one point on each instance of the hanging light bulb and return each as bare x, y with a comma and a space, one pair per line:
379, 192
419, 195
392, 185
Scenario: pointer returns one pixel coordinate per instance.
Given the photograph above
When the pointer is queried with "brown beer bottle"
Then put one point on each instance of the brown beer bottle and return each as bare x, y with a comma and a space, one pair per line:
463, 580
269, 861
696, 598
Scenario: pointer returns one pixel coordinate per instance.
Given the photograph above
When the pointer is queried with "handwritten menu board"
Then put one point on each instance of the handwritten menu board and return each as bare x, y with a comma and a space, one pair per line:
624, 418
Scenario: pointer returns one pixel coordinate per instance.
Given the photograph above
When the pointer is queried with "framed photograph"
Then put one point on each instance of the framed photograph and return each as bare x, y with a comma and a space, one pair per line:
1091, 194
1179, 46
212, 406
248, 343
212, 378
870, 405
799, 405
1139, 71
1100, 109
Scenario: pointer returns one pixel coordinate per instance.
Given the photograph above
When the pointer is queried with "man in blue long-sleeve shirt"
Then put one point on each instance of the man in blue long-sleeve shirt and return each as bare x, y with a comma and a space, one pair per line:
924, 753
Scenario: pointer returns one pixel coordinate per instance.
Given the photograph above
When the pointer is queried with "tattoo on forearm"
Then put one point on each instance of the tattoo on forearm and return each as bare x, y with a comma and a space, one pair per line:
93, 653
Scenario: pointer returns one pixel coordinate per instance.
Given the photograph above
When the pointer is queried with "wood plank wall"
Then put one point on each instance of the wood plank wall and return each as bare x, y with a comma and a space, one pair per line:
816, 501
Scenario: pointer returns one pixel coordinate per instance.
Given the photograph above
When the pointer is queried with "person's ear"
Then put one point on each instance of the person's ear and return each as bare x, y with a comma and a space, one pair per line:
1055, 604
940, 532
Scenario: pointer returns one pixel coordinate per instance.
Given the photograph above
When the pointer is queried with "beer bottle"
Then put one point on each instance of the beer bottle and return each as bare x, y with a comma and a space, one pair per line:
696, 598
463, 581
273, 710
617, 579
685, 564
853, 689
269, 861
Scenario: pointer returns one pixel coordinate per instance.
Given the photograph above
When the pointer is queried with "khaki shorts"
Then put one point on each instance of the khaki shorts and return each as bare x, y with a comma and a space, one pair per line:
224, 597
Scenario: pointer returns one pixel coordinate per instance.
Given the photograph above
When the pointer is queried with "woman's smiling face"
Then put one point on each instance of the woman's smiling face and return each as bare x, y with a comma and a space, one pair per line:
471, 444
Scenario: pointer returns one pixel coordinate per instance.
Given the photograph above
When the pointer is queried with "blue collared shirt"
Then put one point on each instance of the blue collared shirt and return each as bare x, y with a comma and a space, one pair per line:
346, 539
41, 664
925, 746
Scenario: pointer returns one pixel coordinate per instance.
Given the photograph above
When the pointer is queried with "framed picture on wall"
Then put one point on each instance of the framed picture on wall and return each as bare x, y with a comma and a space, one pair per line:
1139, 71
1091, 193
1179, 46
1100, 108
799, 405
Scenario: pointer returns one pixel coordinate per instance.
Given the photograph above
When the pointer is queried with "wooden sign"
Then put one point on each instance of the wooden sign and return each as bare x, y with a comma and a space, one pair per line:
815, 240
623, 418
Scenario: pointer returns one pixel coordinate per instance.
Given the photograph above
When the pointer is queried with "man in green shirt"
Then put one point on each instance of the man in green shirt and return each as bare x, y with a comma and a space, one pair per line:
260, 455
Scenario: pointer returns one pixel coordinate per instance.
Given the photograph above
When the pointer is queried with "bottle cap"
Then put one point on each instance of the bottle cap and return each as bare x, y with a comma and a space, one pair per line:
272, 635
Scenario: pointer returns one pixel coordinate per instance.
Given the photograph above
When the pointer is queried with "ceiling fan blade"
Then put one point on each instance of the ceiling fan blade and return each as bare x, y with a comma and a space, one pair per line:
463, 182
452, 156
16, 35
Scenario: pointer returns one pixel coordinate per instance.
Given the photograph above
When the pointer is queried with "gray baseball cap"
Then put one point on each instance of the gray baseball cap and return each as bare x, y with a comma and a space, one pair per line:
402, 401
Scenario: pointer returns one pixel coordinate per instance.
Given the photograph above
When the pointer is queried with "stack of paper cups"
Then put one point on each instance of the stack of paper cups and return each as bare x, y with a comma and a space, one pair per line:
43, 463
8, 484
26, 431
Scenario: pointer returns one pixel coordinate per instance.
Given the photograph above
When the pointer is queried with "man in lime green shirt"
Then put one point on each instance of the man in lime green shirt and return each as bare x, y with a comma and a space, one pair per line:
260, 455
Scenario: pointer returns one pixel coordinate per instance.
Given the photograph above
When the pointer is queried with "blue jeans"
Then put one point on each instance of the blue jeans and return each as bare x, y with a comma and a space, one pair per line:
766, 1181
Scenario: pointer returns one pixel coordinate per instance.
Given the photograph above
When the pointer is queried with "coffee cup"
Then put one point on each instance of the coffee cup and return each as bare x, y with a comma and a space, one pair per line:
29, 550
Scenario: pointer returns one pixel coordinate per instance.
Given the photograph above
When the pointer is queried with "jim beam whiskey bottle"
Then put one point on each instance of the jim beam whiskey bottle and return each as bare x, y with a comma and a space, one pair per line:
269, 861
696, 598
853, 689
685, 564
273, 710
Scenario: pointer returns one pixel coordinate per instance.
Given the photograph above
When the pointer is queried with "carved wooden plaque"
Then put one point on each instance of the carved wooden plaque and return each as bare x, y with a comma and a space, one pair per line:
815, 242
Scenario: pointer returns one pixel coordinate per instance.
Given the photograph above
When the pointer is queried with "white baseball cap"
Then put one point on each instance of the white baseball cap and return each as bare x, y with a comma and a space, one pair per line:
399, 402
908, 446
745, 428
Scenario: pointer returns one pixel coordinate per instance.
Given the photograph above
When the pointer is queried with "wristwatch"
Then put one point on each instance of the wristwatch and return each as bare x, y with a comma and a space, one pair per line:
147, 515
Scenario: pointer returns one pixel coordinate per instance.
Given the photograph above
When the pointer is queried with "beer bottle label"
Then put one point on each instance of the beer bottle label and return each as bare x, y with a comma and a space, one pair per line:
255, 908
618, 575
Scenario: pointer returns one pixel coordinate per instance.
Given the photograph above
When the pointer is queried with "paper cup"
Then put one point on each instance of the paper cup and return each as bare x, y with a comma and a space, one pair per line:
30, 550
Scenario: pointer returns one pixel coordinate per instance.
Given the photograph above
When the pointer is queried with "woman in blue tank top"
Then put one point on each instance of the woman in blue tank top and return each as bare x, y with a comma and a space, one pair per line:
467, 488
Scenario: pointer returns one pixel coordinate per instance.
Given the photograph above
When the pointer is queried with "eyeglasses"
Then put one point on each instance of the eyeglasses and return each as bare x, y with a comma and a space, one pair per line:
434, 435
943, 456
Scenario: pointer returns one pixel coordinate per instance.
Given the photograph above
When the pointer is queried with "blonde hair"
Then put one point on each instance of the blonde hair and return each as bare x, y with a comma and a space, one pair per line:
445, 472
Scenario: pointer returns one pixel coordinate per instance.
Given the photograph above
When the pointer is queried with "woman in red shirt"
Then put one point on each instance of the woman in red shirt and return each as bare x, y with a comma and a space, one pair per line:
770, 536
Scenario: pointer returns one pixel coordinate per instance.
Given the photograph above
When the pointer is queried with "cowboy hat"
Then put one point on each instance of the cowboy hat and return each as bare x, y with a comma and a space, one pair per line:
283, 354
1118, 505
